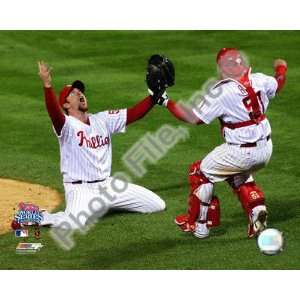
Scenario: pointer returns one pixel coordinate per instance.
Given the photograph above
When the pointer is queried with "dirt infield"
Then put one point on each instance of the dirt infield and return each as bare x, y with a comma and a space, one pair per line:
13, 192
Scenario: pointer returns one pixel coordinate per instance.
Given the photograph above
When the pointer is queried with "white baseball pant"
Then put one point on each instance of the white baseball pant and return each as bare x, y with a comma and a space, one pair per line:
233, 162
89, 201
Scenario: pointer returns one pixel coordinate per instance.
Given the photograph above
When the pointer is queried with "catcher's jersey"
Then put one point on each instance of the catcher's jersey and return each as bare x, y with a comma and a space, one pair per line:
228, 101
85, 150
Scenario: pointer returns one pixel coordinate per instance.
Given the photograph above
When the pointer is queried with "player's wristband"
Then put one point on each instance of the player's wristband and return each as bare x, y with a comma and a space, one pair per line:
165, 103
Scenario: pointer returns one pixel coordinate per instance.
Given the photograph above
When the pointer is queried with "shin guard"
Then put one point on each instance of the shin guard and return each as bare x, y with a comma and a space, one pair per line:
250, 196
202, 206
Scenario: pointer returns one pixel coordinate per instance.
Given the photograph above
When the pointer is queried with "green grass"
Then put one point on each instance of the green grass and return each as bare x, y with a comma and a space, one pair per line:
112, 63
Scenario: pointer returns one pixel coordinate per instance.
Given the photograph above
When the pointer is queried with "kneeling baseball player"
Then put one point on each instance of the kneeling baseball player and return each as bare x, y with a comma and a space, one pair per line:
86, 156
239, 101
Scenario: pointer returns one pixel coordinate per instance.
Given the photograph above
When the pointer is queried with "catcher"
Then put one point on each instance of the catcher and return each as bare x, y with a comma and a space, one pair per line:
86, 152
239, 100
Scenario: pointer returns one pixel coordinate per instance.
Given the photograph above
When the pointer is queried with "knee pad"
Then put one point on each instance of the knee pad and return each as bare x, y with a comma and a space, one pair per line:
250, 196
196, 177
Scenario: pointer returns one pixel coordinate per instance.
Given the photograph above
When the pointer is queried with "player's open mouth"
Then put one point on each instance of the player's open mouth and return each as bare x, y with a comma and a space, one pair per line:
81, 99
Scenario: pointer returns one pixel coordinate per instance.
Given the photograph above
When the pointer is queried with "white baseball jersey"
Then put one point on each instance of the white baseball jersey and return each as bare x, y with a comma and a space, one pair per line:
228, 101
86, 155
86, 150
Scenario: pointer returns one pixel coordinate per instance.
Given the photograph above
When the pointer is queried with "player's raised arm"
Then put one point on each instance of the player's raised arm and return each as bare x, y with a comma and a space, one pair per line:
180, 112
139, 110
280, 67
53, 108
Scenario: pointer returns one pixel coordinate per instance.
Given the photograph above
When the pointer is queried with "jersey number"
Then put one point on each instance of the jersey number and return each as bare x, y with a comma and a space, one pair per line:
248, 105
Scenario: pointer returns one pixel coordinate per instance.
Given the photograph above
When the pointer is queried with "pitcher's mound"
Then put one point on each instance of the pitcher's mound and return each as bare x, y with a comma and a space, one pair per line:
12, 192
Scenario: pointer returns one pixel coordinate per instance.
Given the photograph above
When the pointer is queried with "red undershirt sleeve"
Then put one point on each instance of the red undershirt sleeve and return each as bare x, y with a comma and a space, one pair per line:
280, 76
183, 114
139, 110
55, 113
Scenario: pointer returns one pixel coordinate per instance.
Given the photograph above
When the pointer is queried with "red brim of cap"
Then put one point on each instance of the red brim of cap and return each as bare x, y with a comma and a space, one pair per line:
64, 94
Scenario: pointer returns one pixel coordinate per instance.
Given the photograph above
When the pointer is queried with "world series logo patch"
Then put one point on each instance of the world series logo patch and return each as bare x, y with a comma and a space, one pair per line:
28, 215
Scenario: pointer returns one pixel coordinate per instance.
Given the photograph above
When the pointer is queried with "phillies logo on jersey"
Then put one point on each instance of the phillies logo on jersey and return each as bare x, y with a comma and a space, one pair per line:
93, 142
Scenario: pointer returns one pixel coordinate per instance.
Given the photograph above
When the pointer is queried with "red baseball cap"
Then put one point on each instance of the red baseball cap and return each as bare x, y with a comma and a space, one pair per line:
64, 93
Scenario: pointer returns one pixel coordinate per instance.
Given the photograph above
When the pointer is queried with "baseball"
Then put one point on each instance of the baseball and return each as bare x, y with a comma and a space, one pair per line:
270, 241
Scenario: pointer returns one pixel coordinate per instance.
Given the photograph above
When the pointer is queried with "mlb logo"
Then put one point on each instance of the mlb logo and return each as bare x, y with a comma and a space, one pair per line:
21, 233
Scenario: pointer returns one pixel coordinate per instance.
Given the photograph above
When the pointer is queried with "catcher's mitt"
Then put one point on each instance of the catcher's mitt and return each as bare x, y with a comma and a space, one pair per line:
160, 75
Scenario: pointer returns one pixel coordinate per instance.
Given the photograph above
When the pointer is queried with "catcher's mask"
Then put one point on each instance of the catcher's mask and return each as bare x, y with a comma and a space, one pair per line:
67, 89
160, 72
232, 63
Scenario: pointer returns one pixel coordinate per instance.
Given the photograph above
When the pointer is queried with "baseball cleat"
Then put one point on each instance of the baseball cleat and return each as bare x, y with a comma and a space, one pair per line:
181, 219
186, 227
258, 224
182, 222
201, 231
